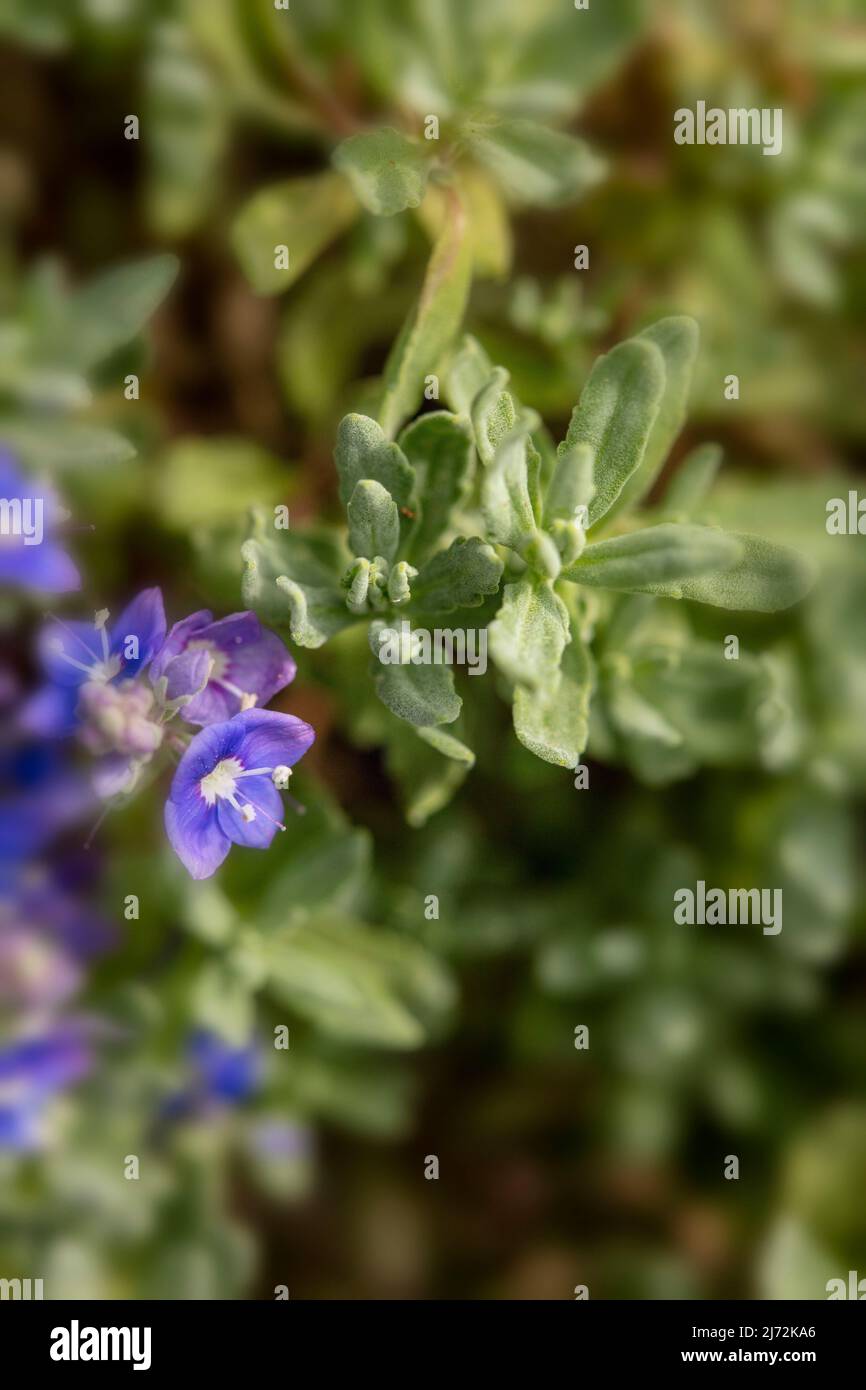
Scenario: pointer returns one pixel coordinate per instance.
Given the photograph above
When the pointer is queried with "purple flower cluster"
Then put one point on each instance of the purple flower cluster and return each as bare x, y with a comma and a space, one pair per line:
117, 685
124, 689
48, 933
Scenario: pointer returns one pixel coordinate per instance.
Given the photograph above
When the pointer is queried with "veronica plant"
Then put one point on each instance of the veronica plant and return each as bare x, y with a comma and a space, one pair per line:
474, 509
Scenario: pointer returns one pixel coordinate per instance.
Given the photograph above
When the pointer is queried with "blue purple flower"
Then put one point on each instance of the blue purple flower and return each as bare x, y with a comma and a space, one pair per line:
223, 1072
78, 656
248, 665
224, 791
46, 796
30, 555
33, 1070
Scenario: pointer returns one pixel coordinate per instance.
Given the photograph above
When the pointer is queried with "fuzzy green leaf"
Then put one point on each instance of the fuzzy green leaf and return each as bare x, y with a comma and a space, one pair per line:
294, 580
374, 522
692, 481
113, 308
387, 172
635, 717
552, 721
417, 693
530, 632
304, 215
362, 451
616, 414
505, 492
440, 450
658, 554
493, 414
468, 371
677, 340
429, 765
767, 578
459, 577
533, 163
572, 484
358, 984
431, 326
64, 443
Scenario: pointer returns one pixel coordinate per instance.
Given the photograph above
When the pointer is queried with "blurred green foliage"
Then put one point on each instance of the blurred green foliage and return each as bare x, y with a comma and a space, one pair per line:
451, 1032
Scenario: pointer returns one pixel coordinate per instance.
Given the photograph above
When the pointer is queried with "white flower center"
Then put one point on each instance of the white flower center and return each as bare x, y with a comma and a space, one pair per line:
222, 781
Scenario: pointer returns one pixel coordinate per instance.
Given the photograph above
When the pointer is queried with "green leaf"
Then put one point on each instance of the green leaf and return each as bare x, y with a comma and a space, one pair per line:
533, 163
328, 872
561, 54
429, 776
447, 745
113, 308
693, 480
489, 229
658, 554
304, 214
493, 414
509, 517
616, 414
572, 484
417, 693
387, 172
439, 448
635, 717
374, 522
552, 721
530, 632
677, 340
294, 580
459, 577
313, 615
357, 983
222, 1001
432, 324
362, 451
767, 578
65, 444
186, 126
468, 371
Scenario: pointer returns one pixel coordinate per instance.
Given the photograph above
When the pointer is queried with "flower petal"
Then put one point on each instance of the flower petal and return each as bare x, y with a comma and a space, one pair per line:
195, 836
76, 640
263, 665
263, 796
270, 739
143, 618
184, 632
46, 568
185, 674
209, 747
51, 712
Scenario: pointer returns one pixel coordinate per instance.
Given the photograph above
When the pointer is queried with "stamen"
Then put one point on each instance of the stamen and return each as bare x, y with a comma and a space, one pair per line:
255, 772
99, 622
259, 811
98, 822
74, 635
56, 646
242, 695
